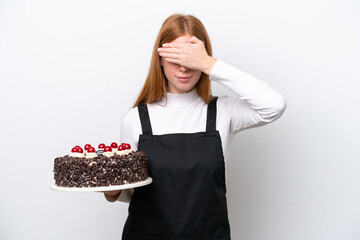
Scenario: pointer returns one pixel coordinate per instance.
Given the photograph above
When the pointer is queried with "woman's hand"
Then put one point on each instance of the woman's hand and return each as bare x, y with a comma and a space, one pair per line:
191, 54
112, 196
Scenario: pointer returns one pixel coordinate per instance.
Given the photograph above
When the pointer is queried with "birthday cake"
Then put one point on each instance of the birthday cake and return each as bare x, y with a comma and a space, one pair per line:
108, 166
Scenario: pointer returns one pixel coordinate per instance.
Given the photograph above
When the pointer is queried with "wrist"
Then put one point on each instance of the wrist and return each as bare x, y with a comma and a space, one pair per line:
208, 65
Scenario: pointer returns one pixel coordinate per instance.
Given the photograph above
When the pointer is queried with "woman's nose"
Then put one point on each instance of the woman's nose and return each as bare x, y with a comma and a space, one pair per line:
184, 69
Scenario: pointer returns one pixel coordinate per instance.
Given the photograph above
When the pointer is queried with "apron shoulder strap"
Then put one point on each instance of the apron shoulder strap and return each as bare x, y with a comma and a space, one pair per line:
144, 119
211, 115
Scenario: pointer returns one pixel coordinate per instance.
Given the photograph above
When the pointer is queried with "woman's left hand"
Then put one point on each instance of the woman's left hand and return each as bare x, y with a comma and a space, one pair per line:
191, 54
111, 196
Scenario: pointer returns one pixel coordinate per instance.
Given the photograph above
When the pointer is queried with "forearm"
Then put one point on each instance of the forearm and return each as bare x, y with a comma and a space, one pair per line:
268, 103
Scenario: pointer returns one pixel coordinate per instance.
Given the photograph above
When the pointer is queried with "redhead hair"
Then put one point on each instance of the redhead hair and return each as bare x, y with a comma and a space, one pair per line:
175, 26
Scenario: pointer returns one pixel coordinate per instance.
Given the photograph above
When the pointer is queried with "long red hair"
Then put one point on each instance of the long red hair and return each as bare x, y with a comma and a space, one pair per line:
175, 26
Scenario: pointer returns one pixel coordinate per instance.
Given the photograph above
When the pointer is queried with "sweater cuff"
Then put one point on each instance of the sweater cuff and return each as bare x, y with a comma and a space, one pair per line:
216, 70
125, 195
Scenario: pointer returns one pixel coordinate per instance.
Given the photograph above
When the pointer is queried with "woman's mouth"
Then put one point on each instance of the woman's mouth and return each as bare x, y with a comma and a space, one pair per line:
183, 79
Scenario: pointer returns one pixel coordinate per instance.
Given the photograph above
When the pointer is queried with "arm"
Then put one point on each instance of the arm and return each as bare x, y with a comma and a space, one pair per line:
128, 134
256, 103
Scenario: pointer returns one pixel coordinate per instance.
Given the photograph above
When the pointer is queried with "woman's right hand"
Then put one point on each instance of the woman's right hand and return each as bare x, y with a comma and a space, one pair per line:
192, 55
112, 196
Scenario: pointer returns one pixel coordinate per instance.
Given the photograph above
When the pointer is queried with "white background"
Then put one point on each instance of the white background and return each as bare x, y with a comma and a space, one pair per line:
70, 70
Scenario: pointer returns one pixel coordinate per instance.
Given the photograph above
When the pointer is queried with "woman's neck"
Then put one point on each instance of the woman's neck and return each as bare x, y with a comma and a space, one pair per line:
182, 100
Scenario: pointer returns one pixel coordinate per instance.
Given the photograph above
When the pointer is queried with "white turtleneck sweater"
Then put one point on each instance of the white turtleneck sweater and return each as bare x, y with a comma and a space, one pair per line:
256, 104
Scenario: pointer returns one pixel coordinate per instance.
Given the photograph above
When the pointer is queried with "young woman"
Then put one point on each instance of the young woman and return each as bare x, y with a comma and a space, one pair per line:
184, 130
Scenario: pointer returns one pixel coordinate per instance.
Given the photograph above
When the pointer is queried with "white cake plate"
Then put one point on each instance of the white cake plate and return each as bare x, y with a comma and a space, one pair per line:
100, 189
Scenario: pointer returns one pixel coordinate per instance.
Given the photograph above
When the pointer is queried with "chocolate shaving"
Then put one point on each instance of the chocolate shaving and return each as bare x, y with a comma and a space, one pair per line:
101, 170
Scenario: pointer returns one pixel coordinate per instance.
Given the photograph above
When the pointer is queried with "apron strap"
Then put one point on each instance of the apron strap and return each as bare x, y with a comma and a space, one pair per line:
144, 119
211, 115
146, 125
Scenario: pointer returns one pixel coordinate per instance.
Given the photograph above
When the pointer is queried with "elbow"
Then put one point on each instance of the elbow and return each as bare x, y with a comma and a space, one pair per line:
274, 110
280, 106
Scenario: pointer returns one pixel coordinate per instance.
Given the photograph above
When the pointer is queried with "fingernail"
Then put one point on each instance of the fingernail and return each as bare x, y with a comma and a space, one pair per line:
164, 45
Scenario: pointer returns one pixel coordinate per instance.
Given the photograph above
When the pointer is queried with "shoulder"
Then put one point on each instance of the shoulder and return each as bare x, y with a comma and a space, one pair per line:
131, 116
130, 128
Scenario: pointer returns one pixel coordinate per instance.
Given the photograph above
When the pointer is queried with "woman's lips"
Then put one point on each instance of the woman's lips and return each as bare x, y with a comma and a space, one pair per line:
183, 79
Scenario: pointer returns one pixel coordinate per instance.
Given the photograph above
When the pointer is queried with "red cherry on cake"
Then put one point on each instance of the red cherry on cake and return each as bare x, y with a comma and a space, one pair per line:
79, 150
121, 147
87, 146
77, 146
101, 146
108, 149
127, 146
123, 144
91, 150
114, 145
74, 149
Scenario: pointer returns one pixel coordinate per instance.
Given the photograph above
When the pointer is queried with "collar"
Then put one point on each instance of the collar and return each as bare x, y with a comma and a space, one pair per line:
183, 100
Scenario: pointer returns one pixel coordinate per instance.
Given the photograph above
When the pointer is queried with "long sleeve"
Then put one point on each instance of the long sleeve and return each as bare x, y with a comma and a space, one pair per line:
127, 135
256, 103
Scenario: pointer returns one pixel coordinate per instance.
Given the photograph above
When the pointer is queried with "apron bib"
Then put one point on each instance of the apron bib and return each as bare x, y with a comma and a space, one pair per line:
187, 198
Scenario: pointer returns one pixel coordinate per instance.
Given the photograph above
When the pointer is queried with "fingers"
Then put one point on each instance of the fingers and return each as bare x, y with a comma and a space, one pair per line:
174, 45
188, 54
169, 50
169, 55
193, 39
174, 60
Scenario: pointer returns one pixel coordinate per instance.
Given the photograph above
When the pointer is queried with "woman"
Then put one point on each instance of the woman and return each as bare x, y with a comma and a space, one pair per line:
184, 131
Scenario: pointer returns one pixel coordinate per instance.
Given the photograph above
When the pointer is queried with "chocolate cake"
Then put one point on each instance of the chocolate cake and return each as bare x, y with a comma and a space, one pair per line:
100, 170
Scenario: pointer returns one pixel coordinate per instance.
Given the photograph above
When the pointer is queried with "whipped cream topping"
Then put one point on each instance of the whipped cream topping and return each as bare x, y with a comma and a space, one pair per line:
127, 151
120, 152
124, 152
76, 154
91, 155
108, 154
114, 150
